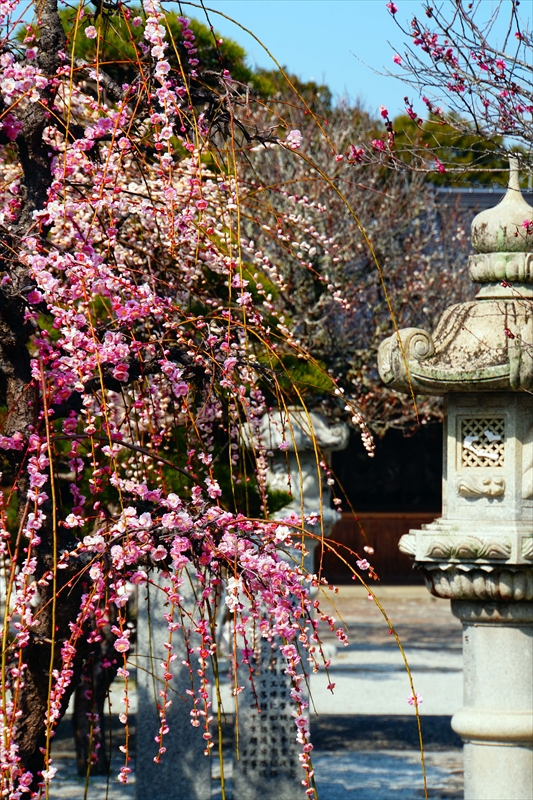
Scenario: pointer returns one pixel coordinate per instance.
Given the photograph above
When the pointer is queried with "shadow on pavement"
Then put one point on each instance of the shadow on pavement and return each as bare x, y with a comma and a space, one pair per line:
362, 732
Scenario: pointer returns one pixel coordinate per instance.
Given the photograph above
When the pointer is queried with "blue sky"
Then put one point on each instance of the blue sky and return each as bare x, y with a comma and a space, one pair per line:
339, 42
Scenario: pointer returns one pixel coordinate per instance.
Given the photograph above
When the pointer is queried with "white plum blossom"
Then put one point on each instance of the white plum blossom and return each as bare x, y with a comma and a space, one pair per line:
294, 139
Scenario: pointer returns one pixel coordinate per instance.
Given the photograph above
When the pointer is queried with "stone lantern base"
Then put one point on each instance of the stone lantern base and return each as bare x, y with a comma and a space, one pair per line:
496, 721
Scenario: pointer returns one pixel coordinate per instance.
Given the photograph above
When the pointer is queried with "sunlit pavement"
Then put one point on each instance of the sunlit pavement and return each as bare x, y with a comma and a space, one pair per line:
366, 736
370, 673
365, 733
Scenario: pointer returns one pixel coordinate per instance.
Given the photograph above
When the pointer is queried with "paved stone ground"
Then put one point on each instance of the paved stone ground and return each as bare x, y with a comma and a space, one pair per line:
365, 735
381, 775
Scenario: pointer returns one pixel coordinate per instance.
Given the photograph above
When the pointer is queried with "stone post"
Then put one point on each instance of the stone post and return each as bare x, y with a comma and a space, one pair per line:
480, 553
184, 770
268, 764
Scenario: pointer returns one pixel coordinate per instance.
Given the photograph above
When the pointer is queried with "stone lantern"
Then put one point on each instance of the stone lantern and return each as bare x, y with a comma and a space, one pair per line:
297, 440
480, 552
290, 444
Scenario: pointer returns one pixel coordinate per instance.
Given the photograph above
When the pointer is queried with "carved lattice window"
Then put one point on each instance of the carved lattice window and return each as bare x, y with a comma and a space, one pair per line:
269, 749
483, 442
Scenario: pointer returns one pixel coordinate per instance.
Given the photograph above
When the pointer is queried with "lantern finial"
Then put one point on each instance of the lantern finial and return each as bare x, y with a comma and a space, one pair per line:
500, 229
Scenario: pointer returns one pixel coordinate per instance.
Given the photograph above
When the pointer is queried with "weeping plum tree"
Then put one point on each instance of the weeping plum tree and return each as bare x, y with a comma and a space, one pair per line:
134, 344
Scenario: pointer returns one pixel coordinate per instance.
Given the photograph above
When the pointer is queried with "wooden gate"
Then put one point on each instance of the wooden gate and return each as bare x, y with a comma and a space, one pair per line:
382, 532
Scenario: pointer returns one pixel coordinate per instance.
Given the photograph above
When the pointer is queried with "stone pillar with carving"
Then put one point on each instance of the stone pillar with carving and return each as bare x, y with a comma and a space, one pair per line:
184, 771
267, 763
480, 553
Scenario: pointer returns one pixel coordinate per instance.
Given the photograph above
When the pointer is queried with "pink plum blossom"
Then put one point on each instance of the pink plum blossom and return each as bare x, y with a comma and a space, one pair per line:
417, 699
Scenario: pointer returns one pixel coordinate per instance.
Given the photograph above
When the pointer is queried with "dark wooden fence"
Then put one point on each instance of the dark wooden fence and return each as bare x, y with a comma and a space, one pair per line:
383, 532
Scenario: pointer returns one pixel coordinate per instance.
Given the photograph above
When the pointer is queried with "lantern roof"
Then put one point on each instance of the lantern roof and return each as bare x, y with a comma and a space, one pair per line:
485, 344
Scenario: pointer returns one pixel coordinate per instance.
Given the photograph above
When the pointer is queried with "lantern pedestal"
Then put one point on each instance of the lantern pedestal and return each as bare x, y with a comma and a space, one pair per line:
496, 721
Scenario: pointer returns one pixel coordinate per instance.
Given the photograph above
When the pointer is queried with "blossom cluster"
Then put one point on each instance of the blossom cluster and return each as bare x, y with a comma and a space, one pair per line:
472, 76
